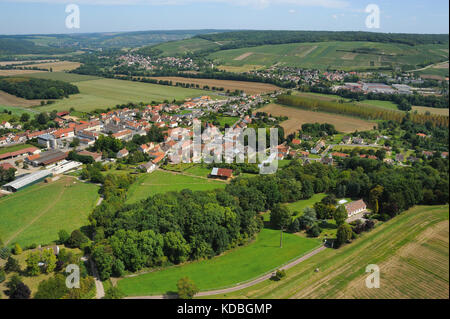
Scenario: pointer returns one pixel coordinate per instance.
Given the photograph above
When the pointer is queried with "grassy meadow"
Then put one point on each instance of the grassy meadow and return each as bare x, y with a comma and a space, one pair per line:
35, 214
411, 250
233, 267
162, 182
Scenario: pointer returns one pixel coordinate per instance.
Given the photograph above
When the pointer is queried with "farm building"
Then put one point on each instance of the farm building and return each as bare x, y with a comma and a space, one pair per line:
355, 207
96, 156
223, 173
29, 150
27, 180
48, 158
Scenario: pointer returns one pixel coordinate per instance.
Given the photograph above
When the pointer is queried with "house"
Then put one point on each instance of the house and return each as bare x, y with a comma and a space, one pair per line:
148, 167
427, 154
96, 156
355, 207
339, 154
327, 160
6, 166
296, 141
122, 153
358, 140
444, 154
223, 173
6, 125
347, 139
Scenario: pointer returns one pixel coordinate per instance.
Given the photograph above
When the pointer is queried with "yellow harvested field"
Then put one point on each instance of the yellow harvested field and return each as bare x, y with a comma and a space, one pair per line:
11, 100
432, 110
3, 63
247, 87
243, 56
349, 56
306, 52
57, 66
297, 117
17, 72
239, 69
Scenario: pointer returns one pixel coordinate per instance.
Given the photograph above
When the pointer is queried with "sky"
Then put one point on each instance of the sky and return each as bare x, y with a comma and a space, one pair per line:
49, 16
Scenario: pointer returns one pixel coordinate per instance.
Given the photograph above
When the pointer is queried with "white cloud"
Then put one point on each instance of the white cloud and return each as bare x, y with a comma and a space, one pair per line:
256, 3
292, 11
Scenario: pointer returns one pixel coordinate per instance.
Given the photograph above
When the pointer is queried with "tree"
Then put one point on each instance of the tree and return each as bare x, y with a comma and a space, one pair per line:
374, 195
17, 249
32, 261
75, 142
314, 231
77, 238
12, 265
308, 219
63, 236
25, 117
186, 288
175, 247
49, 259
340, 215
21, 292
280, 217
52, 288
344, 234
279, 274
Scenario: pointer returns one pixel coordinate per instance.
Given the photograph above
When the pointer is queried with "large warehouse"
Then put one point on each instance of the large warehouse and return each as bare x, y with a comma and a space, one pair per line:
27, 180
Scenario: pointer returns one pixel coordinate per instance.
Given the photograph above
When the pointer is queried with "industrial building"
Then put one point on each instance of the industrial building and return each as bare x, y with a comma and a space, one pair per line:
27, 180
47, 158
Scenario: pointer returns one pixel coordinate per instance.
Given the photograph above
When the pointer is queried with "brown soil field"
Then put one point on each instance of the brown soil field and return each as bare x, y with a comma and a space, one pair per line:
57, 66
297, 117
247, 87
11, 100
432, 110
17, 72
243, 56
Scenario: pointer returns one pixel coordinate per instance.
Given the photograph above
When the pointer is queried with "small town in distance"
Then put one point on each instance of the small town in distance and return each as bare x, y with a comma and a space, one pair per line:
224, 164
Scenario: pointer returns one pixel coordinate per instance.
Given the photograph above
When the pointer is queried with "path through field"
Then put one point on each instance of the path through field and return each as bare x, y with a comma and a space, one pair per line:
53, 203
241, 286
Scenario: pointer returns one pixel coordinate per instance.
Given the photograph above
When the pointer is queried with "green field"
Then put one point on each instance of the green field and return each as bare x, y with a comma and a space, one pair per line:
334, 55
184, 46
62, 76
162, 182
236, 266
99, 93
36, 214
411, 250
300, 205
14, 148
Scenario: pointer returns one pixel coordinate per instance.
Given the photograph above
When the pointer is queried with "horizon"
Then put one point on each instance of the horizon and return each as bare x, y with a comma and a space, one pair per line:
32, 17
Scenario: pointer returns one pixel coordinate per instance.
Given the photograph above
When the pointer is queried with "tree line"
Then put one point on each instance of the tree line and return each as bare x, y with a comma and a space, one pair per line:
30, 89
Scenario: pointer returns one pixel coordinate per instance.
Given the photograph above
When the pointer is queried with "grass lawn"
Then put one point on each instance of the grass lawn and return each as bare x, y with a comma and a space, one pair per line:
103, 93
198, 170
230, 120
411, 251
236, 266
300, 205
36, 214
14, 148
162, 182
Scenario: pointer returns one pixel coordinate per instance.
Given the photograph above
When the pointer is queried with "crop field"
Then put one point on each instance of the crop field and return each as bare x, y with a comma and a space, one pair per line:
104, 93
11, 100
247, 87
411, 251
240, 69
432, 110
26, 218
12, 72
63, 76
233, 267
162, 182
334, 55
184, 46
57, 66
297, 117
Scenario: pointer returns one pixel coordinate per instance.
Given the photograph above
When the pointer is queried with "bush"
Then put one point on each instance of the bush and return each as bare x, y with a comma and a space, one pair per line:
113, 293
21, 292
17, 249
2, 276
4, 253
63, 236
12, 265
314, 231
186, 288
77, 238
279, 274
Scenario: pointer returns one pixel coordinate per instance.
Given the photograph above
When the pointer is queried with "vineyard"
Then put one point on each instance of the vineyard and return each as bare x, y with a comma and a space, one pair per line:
373, 113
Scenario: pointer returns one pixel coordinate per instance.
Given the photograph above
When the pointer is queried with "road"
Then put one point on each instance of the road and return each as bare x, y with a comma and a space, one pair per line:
239, 286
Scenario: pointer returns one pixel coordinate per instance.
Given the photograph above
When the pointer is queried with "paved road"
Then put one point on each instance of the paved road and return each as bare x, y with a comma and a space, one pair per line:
241, 286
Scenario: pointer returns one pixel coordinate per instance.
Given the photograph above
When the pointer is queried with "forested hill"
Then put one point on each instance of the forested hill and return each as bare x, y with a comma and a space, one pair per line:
240, 39
20, 46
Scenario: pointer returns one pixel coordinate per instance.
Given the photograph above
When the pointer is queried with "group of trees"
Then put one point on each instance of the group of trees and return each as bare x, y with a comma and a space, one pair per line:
30, 88
362, 112
7, 175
